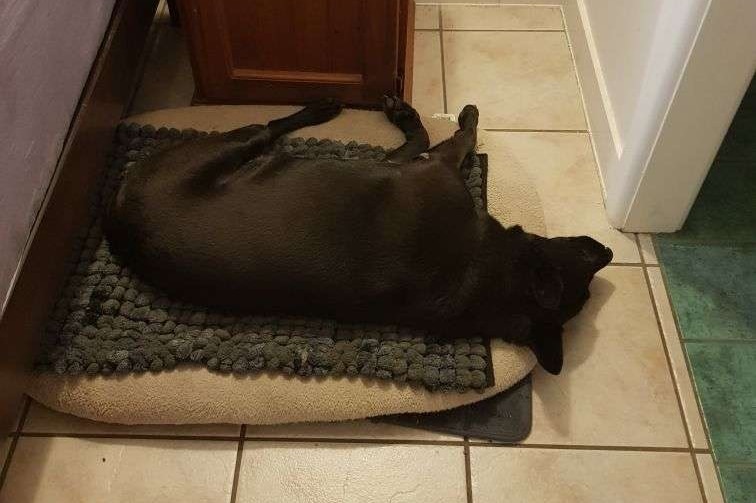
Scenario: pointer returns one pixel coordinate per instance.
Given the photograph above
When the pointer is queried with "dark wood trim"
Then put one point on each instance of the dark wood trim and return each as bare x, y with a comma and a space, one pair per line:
406, 47
65, 209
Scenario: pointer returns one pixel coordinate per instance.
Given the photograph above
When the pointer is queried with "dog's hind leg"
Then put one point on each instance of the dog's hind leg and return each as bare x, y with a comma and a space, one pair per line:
311, 115
220, 156
256, 135
407, 119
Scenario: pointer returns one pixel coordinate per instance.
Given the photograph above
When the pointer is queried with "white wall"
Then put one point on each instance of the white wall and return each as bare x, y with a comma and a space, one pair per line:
638, 51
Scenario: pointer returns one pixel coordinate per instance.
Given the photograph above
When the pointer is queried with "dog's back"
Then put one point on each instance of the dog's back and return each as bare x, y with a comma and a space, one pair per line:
333, 237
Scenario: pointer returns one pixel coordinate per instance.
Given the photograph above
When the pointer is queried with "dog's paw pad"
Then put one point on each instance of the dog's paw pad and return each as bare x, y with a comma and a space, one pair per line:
396, 109
468, 117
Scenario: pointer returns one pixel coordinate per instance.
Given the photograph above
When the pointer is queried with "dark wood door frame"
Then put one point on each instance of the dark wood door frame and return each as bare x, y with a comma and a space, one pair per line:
406, 48
65, 209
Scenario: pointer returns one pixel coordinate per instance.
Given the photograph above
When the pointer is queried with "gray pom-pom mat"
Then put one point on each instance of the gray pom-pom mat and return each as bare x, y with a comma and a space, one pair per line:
108, 320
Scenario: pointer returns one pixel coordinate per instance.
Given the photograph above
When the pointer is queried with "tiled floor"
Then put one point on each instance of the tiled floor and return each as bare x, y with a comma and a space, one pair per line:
620, 424
710, 268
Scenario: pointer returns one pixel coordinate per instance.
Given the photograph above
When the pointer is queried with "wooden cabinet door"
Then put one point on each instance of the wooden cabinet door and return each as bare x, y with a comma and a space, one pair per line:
295, 51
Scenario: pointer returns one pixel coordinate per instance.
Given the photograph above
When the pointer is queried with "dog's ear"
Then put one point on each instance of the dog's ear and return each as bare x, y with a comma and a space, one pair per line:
547, 345
546, 286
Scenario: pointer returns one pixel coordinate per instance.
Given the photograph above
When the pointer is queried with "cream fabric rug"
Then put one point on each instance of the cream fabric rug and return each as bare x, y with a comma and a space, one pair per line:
190, 395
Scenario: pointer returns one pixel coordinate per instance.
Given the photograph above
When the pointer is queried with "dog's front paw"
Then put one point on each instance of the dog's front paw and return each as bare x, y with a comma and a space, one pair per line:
397, 110
468, 117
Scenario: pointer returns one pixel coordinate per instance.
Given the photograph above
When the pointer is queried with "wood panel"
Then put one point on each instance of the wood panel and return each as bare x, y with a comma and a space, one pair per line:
66, 206
406, 48
294, 51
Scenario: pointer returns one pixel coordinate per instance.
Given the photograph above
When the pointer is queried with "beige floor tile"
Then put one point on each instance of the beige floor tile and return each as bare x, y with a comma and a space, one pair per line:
565, 175
426, 17
315, 473
565, 476
64, 470
347, 429
615, 388
43, 420
427, 85
518, 80
709, 478
647, 247
677, 357
501, 17
167, 80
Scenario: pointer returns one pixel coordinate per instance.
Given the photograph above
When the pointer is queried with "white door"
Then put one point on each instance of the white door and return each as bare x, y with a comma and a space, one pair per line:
662, 80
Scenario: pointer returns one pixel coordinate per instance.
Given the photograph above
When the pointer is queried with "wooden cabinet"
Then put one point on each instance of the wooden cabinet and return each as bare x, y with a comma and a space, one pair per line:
295, 51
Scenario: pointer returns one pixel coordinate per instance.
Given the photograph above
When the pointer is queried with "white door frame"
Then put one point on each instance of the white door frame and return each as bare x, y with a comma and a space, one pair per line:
651, 177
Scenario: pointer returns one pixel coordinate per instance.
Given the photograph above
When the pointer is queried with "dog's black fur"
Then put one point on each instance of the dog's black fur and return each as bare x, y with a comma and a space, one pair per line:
396, 241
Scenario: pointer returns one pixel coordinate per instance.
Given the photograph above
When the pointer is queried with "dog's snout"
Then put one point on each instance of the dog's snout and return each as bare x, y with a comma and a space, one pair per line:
609, 254
603, 257
595, 253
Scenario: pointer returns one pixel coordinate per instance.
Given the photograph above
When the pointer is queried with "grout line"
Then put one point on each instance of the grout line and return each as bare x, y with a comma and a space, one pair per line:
688, 364
723, 341
372, 441
126, 436
377, 441
490, 30
576, 447
671, 371
14, 440
689, 367
468, 471
24, 412
745, 464
491, 4
443, 59
624, 264
237, 466
523, 130
7, 462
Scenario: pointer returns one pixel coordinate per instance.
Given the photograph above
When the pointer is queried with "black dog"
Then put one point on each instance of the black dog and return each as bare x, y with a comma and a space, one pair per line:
396, 241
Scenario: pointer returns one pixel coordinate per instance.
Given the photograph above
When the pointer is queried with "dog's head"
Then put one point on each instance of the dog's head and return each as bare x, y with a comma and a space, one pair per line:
551, 285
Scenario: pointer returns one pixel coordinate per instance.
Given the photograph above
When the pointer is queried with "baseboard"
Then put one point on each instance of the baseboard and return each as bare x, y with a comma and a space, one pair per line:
66, 206
606, 142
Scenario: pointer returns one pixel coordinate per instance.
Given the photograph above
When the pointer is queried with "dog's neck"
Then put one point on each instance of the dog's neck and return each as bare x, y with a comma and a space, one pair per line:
498, 270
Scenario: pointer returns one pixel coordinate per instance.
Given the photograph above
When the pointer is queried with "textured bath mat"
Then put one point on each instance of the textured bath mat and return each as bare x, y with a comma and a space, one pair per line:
110, 321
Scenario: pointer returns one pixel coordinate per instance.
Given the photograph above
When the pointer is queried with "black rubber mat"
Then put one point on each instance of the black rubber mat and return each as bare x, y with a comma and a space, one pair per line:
506, 417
